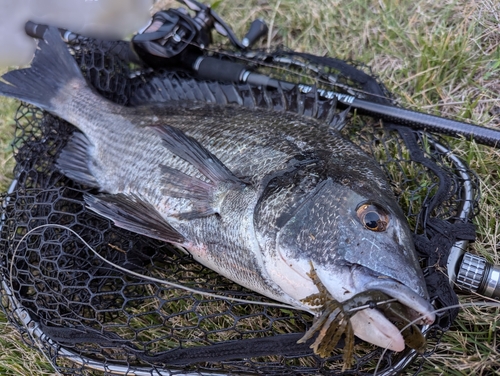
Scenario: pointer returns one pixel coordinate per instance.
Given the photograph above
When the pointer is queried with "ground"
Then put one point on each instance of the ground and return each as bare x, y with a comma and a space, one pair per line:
437, 57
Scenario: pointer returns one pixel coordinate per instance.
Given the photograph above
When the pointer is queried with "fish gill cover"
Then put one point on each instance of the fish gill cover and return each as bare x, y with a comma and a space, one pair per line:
85, 314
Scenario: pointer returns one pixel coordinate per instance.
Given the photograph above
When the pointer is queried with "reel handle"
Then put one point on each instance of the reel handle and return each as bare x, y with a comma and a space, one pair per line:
257, 30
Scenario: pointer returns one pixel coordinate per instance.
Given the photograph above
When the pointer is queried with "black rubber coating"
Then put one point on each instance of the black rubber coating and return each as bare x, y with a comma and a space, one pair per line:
213, 69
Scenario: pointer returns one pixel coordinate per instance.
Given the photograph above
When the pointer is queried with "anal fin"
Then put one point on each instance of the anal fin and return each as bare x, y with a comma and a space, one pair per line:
134, 214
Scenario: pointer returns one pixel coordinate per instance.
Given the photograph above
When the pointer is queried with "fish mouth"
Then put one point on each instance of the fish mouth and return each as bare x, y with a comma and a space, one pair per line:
417, 307
378, 326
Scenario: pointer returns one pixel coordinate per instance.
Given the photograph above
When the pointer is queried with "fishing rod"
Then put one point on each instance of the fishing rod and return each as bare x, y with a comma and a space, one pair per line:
211, 68
175, 39
174, 36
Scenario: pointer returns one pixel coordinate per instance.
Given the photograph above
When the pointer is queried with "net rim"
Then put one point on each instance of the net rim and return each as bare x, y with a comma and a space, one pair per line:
40, 339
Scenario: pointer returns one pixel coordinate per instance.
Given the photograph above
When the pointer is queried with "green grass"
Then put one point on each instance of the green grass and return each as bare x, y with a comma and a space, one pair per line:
438, 57
7, 108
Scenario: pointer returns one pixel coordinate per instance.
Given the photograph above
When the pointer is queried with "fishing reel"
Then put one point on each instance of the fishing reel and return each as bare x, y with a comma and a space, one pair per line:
174, 38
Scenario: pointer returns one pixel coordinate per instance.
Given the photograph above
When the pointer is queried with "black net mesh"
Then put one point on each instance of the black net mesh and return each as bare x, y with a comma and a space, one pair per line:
86, 314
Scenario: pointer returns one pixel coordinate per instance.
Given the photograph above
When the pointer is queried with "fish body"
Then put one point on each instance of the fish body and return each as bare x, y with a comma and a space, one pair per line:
256, 195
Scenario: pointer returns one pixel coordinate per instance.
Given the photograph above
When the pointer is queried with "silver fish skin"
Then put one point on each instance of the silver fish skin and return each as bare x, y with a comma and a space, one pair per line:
256, 195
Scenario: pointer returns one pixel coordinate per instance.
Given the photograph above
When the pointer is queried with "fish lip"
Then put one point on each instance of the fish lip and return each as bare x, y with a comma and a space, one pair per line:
420, 309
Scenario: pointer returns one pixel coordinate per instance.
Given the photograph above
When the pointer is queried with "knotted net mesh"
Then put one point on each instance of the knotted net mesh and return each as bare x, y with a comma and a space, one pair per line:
88, 316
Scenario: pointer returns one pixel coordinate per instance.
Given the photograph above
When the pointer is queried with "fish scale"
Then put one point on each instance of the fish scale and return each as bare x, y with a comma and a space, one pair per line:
274, 201
124, 145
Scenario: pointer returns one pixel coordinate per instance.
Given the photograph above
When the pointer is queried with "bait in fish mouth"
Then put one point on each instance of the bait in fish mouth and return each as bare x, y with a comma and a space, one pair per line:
256, 195
333, 320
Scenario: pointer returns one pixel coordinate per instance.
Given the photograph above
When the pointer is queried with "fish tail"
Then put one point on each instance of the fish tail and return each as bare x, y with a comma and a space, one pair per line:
51, 70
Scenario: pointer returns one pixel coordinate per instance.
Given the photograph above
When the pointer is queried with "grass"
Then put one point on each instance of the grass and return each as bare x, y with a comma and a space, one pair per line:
438, 57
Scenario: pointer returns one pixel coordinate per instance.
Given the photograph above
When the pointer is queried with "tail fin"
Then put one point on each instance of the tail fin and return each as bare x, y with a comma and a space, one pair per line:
51, 70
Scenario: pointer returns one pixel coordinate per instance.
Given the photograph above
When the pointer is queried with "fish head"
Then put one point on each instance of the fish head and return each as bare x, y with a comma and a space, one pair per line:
356, 237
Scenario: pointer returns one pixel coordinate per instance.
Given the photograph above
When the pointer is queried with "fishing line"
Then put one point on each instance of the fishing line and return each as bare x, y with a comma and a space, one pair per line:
460, 305
371, 305
212, 295
138, 275
252, 60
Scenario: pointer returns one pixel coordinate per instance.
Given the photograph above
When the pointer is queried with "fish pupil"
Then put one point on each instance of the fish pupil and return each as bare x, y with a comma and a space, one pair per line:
371, 220
373, 217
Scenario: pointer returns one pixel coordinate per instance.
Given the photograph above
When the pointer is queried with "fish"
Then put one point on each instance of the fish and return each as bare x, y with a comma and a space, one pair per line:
274, 201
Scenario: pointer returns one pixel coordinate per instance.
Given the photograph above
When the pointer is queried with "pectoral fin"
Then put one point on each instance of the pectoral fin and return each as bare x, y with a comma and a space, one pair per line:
205, 196
194, 153
133, 214
201, 194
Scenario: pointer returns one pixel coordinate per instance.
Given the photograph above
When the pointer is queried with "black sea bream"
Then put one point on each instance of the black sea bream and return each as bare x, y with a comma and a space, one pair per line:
260, 197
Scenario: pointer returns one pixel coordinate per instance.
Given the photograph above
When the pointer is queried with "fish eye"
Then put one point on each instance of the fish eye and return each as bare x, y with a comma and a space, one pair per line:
373, 217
